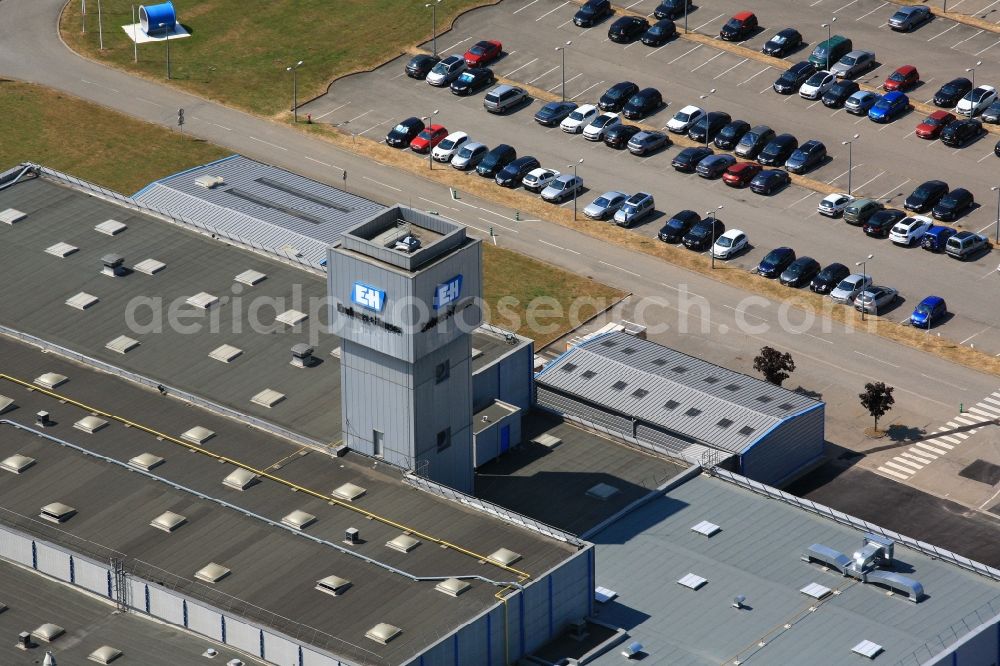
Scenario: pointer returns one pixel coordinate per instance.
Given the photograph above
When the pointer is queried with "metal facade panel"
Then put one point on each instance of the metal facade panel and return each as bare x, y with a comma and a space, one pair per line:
280, 651
204, 621
243, 636
52, 561
786, 449
587, 412
310, 658
137, 594
91, 577
15, 547
166, 606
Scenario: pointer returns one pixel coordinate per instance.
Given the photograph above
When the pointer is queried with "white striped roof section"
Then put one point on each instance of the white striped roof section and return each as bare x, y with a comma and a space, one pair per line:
718, 393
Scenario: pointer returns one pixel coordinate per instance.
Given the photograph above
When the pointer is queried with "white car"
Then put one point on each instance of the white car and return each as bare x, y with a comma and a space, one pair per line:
538, 179
833, 205
595, 130
909, 230
579, 118
730, 244
850, 287
684, 119
449, 146
817, 84
976, 101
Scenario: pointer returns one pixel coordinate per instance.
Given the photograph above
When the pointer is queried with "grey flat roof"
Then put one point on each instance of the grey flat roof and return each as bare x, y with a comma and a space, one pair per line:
263, 204
705, 402
757, 554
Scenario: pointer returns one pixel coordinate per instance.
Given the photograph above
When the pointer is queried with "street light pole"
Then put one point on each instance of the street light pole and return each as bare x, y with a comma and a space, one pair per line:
705, 96
430, 149
711, 249
687, 3
973, 71
850, 160
434, 38
295, 89
864, 265
576, 190
563, 49
829, 36
164, 25
997, 190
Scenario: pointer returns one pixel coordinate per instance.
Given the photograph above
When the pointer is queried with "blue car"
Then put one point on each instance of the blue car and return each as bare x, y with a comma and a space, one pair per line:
935, 238
888, 107
928, 311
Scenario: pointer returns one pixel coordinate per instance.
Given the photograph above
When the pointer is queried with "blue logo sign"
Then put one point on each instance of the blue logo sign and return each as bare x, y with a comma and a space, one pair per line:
448, 293
368, 297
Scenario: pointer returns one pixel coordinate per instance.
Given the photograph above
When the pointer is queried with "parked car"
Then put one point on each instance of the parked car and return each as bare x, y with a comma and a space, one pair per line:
964, 244
627, 29
996, 149
775, 262
730, 135
881, 223
678, 225
419, 66
778, 150
925, 196
807, 157
800, 272
495, 160
643, 103
730, 244
948, 95
858, 211
932, 125
406, 131
908, 18
936, 238
740, 174
854, 63
711, 124
636, 208
659, 33
703, 233
594, 131
754, 141
861, 102
833, 205
792, 78
469, 155
592, 12
828, 278
976, 101
848, 288
483, 53
739, 27
578, 118
472, 81
446, 71
992, 113
904, 78
961, 132
646, 142
554, 113
769, 181
713, 166
619, 135
687, 160
683, 119
566, 186
830, 51
953, 204
817, 84
449, 146
783, 43
671, 8
928, 311
839, 93
512, 174
888, 107
503, 98
615, 97
875, 299
605, 206
910, 230
431, 136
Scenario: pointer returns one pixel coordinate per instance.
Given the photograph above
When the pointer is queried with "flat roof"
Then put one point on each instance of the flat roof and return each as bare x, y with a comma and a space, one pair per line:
756, 553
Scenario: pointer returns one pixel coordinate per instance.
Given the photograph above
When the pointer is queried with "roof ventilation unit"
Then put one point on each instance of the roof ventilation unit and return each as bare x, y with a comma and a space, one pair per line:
633, 650
816, 591
208, 181
42, 419
168, 521
104, 654
203, 300
198, 435
149, 266
240, 479
146, 461
867, 649
48, 632
292, 317
692, 581
122, 344
82, 301
250, 278
404, 543
452, 587
16, 463
267, 398
383, 633
6, 404
706, 528
348, 491
504, 557
61, 250
57, 512
298, 519
740, 602
50, 380
603, 595
12, 216
225, 353
302, 355
90, 424
352, 536
212, 573
602, 491
110, 227
112, 265
547, 440
333, 585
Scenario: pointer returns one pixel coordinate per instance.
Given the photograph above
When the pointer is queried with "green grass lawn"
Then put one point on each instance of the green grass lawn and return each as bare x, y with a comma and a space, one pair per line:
238, 50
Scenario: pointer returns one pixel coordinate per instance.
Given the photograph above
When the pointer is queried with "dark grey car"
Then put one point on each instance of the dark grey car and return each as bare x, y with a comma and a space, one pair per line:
714, 166
646, 142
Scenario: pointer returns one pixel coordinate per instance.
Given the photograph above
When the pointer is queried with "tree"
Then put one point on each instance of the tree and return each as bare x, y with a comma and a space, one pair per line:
776, 366
877, 399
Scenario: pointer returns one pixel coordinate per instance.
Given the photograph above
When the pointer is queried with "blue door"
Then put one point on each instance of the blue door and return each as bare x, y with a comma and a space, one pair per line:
505, 439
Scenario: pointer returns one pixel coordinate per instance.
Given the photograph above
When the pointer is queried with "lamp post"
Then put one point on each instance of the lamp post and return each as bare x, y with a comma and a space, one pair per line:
997, 190
687, 3
850, 160
972, 70
711, 249
164, 25
434, 38
576, 190
705, 96
430, 149
563, 49
295, 89
864, 265
829, 36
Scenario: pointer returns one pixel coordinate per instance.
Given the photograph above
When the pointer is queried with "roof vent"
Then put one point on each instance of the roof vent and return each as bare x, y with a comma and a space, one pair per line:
333, 585
250, 277
291, 250
240, 479
706, 528
732, 387
113, 265
146, 461
383, 633
42, 419
6, 404
168, 521
225, 353
17, 463
212, 573
568, 367
292, 317
149, 266
764, 398
50, 380
267, 398
111, 227
739, 602
746, 431
588, 374
302, 355
671, 404
57, 512
602, 491
603, 595
404, 543
694, 411
48, 632
122, 344
61, 250
547, 440
633, 649
198, 435
104, 654
208, 181
659, 362
867, 649
348, 491
90, 424
785, 406
452, 587
711, 380
692, 581
815, 590
352, 536
724, 423
298, 519
12, 216
82, 301
335, 352
679, 369
619, 385
476, 353
504, 557
640, 393
408, 243
203, 300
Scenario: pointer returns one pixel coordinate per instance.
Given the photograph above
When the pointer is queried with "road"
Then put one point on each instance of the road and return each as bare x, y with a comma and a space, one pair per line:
724, 324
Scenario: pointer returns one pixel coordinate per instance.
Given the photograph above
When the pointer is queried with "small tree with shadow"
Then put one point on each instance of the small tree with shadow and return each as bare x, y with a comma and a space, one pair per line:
776, 366
877, 399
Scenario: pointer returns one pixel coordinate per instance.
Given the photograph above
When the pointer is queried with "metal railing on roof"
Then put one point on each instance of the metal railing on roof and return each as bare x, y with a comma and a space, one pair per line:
937, 647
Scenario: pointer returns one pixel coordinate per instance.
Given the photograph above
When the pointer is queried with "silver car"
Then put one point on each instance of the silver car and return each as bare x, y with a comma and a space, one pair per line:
469, 156
446, 71
907, 18
562, 188
852, 64
850, 287
875, 299
605, 205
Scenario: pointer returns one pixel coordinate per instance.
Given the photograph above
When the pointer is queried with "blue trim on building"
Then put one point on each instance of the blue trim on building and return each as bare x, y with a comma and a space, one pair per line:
222, 620
34, 555
146, 595
72, 570
181, 173
780, 423
456, 648
551, 616
551, 364
110, 588
184, 611
262, 644
591, 566
489, 638
520, 613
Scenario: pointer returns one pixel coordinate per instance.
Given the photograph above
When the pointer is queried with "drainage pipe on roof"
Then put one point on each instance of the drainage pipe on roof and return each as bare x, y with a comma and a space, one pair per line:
9, 178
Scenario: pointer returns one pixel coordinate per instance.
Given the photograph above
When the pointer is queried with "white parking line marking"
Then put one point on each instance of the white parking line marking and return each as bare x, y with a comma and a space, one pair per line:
457, 43
942, 32
868, 182
439, 205
624, 270
510, 73
941, 381
552, 10
372, 127
564, 23
587, 88
798, 201
633, 4
818, 338
968, 38
558, 85
988, 47
331, 111
543, 74
816, 3
684, 54
872, 11
835, 11
496, 224
991, 224
730, 69
360, 115
378, 182
525, 7
655, 51
755, 76
875, 359
273, 145
545, 242
891, 189
708, 61
707, 22
856, 166
984, 157
884, 470
317, 161
974, 335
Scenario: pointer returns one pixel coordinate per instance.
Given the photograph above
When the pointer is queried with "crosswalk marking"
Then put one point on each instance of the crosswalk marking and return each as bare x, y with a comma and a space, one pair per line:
922, 461
899, 467
965, 421
923, 454
885, 470
987, 415
950, 439
903, 461
930, 448
989, 407
938, 442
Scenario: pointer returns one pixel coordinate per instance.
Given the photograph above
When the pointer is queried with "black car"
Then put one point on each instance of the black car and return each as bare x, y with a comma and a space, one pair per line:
754, 141
881, 222
948, 95
627, 29
730, 135
703, 233
783, 43
711, 124
800, 272
495, 160
769, 181
472, 80
996, 149
553, 113
926, 196
671, 8
592, 12
775, 262
512, 174
687, 160
777, 152
714, 166
615, 97
808, 156
792, 78
958, 133
992, 113
406, 131
953, 204
659, 33
618, 136
678, 225
420, 66
838, 93
829, 278
643, 103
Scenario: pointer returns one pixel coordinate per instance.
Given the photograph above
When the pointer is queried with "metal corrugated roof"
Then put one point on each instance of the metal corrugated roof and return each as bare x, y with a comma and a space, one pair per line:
686, 395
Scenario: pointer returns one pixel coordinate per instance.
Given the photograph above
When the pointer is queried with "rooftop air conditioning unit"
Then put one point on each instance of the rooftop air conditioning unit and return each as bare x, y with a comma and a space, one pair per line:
113, 265
208, 181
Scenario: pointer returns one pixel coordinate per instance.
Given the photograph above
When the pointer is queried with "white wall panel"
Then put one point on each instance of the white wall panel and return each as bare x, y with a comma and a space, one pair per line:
204, 621
53, 562
281, 651
15, 547
91, 577
242, 636
165, 605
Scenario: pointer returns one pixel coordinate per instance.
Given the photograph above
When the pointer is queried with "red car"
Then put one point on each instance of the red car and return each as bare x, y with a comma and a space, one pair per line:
741, 173
430, 137
483, 53
933, 124
902, 79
